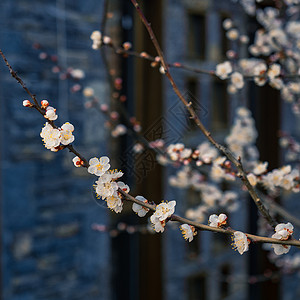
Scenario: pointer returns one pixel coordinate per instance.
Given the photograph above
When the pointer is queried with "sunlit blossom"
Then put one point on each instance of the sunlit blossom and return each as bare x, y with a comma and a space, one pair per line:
140, 210
217, 221
188, 232
98, 166
240, 242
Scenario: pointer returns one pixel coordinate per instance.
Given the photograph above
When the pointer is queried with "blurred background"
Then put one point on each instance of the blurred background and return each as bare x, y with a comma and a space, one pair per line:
59, 241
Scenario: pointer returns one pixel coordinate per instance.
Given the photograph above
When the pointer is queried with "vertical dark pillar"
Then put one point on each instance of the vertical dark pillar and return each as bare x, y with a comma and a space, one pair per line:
266, 109
148, 83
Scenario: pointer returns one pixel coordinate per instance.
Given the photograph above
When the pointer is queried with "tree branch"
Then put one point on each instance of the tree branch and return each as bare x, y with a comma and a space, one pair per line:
230, 231
152, 207
193, 115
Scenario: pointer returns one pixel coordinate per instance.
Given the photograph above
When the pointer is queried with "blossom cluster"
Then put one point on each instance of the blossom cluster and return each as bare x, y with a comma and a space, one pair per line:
275, 51
284, 177
53, 137
217, 221
282, 232
243, 134
96, 37
163, 211
107, 186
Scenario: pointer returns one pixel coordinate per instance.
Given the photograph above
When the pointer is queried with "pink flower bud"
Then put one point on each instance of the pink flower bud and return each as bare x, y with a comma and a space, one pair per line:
106, 40
55, 69
114, 115
43, 55
144, 54
27, 103
44, 103
104, 107
75, 88
127, 45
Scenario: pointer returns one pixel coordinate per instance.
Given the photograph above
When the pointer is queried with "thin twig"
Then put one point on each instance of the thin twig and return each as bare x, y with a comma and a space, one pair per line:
128, 197
38, 108
193, 115
20, 81
179, 65
254, 238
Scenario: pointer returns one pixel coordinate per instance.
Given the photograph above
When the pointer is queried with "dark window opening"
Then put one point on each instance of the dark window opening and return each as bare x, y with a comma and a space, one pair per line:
197, 287
224, 288
196, 36
219, 107
192, 95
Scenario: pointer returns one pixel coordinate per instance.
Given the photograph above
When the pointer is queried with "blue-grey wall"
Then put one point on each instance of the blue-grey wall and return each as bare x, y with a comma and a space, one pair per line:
49, 250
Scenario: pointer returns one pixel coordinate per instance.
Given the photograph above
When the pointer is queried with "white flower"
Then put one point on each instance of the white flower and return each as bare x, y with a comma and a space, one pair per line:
260, 71
140, 210
227, 24
51, 137
274, 71
106, 40
274, 179
96, 37
252, 179
278, 248
237, 80
286, 169
284, 230
182, 179
115, 203
105, 187
77, 161
27, 103
88, 92
232, 34
217, 221
162, 70
197, 214
98, 166
260, 168
124, 187
115, 174
229, 200
240, 242
206, 152
287, 182
163, 211
223, 70
138, 148
77, 73
244, 39
50, 113
231, 89
66, 133
159, 226
276, 83
188, 232
217, 173
175, 150
186, 153
120, 129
